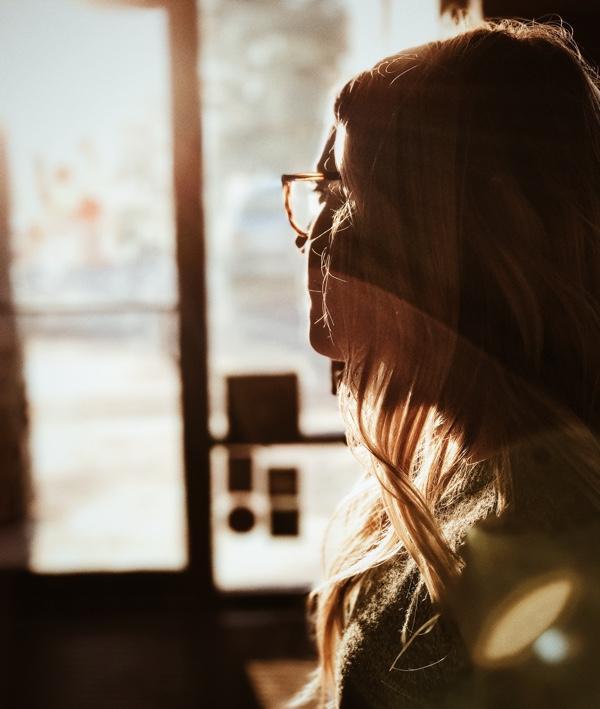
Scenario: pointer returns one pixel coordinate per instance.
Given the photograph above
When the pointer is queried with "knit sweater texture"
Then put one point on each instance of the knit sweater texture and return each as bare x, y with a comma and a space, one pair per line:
383, 661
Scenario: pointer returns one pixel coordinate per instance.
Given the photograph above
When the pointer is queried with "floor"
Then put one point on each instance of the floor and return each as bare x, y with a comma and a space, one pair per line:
104, 647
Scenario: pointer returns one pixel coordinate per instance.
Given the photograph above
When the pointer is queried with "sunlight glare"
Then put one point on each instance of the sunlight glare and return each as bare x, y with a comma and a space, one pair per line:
521, 619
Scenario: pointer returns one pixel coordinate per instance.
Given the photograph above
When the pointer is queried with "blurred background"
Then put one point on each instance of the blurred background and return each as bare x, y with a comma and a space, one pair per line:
170, 450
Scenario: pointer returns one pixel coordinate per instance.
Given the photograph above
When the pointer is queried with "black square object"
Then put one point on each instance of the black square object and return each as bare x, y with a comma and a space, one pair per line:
239, 474
283, 481
263, 408
284, 523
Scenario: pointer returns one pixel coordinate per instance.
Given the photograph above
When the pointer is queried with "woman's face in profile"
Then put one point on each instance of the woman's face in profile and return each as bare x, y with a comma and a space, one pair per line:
324, 317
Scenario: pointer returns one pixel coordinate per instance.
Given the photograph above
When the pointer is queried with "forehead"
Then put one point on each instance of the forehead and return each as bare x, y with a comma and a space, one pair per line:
327, 160
332, 156
339, 144
372, 94
367, 100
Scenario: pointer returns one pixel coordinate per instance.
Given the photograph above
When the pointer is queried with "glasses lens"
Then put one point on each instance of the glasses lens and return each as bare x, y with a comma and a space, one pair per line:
304, 202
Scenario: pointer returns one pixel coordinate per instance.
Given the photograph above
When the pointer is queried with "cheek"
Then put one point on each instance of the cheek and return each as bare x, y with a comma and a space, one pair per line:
317, 251
324, 329
315, 275
319, 334
327, 317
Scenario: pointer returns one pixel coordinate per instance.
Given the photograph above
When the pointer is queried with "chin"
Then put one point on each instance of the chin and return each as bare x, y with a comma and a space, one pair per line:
321, 342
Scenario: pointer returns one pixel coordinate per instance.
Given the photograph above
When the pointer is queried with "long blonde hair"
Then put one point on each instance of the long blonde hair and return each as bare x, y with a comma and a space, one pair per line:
471, 276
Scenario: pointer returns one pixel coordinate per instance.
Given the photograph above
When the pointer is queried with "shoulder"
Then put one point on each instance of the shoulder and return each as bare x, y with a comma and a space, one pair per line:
395, 649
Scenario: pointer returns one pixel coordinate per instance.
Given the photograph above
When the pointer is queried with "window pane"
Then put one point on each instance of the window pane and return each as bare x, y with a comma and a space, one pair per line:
269, 73
263, 115
293, 492
86, 110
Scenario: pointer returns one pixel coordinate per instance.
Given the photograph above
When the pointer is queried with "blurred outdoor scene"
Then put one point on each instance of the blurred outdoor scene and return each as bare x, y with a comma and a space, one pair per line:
86, 126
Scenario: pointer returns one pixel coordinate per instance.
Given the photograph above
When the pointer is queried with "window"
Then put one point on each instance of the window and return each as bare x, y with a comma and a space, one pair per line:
94, 277
87, 122
269, 74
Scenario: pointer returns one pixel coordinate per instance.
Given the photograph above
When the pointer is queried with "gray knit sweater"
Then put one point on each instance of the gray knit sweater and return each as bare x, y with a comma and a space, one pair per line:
435, 669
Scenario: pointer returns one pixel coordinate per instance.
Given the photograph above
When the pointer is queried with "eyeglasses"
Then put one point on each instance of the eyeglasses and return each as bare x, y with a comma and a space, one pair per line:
304, 194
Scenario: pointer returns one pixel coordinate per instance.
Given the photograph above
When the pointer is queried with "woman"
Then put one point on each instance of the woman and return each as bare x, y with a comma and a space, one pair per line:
454, 269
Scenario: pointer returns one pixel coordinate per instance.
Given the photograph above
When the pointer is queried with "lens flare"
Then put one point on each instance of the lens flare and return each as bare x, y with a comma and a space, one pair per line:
524, 618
